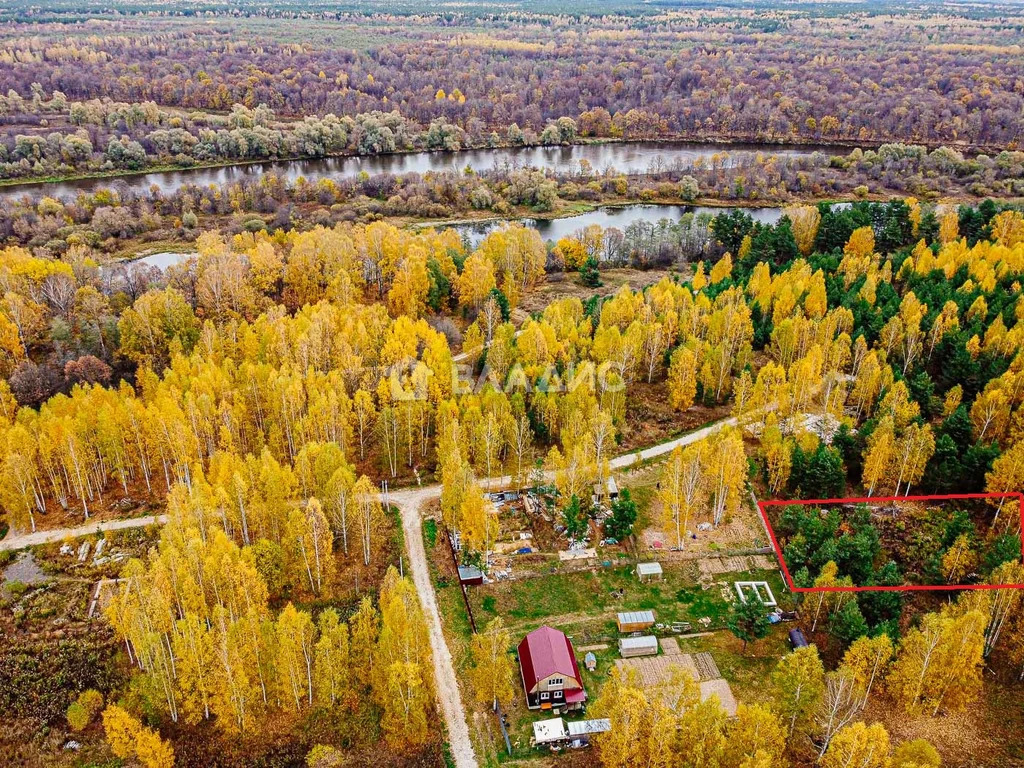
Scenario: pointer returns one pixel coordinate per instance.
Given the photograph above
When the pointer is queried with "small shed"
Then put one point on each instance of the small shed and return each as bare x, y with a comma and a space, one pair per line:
635, 621
638, 646
797, 639
590, 661
586, 728
549, 731
503, 496
557, 733
649, 571
470, 575
611, 488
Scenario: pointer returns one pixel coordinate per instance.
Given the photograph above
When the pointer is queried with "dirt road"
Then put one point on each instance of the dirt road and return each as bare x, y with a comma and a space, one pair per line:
448, 695
409, 502
59, 534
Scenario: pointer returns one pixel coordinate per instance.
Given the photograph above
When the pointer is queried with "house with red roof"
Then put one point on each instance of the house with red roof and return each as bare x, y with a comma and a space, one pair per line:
551, 677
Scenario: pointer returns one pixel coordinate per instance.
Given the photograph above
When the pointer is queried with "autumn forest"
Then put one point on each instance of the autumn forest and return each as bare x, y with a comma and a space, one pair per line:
345, 347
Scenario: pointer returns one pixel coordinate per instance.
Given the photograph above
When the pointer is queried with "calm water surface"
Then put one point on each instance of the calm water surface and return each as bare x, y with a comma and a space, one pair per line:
633, 157
619, 217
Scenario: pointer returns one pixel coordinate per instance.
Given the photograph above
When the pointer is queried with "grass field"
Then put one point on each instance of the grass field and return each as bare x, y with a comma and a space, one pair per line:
590, 599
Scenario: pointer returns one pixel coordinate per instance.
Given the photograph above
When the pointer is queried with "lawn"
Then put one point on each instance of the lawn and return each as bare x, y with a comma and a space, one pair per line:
582, 595
590, 599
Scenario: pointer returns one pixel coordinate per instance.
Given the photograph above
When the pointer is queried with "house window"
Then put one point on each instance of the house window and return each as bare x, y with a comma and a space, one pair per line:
556, 682
544, 696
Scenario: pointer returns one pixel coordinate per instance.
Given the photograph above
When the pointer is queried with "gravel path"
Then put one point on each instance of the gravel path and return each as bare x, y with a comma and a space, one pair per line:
448, 694
628, 459
59, 534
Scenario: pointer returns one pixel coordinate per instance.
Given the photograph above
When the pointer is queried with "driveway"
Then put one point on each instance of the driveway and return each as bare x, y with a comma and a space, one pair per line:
409, 503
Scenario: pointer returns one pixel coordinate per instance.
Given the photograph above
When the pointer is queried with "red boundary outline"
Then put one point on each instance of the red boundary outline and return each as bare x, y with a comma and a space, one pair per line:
762, 507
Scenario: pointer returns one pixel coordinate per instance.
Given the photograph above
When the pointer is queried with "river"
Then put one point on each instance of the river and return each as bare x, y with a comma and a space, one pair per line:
626, 157
620, 217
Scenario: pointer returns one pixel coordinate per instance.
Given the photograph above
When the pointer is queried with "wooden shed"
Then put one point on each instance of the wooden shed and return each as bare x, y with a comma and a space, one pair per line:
638, 646
635, 621
470, 575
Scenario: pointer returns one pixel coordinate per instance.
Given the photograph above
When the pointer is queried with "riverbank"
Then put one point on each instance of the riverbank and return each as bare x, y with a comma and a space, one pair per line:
552, 225
724, 142
624, 157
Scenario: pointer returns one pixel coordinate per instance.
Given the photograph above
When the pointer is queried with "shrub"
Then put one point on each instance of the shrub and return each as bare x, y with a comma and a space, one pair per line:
689, 189
17, 588
323, 756
92, 701
84, 709
78, 718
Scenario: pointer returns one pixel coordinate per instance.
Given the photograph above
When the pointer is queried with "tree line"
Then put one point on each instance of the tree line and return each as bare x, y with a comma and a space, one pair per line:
622, 75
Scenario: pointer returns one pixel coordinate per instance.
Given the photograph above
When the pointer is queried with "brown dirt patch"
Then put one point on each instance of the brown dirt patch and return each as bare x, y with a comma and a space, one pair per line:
650, 419
560, 285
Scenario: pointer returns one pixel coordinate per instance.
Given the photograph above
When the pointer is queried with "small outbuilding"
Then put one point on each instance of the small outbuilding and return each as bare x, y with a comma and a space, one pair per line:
590, 661
558, 733
638, 646
635, 621
611, 489
470, 575
583, 729
649, 571
549, 732
797, 639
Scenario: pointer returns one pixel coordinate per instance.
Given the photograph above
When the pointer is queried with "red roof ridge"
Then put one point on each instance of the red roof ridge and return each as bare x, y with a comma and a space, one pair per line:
546, 651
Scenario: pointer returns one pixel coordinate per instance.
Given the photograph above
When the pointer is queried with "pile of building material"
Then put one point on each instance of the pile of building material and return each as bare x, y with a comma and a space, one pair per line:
556, 733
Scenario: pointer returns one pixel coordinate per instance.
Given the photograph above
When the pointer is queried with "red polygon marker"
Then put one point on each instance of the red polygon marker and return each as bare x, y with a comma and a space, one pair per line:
762, 507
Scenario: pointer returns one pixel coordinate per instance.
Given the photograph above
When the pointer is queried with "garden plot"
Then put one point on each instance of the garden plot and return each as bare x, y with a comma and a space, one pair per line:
711, 567
657, 670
